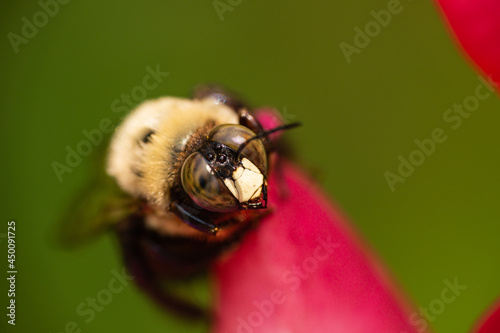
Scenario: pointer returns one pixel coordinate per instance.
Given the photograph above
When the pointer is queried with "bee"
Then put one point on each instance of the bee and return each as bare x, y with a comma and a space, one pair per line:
186, 179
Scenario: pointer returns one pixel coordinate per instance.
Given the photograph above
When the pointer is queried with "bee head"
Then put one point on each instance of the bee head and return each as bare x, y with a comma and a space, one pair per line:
228, 171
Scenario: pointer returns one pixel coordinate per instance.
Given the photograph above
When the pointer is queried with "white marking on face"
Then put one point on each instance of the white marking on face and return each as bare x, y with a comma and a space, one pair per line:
238, 173
230, 185
246, 183
249, 165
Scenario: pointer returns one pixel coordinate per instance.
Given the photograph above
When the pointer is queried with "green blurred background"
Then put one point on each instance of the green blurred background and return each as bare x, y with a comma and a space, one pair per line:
441, 223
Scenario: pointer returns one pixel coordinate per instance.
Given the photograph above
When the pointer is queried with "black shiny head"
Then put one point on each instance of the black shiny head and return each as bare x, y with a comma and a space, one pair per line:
221, 159
218, 178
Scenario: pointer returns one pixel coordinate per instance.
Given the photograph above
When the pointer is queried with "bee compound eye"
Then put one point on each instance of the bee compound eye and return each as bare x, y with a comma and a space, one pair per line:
233, 136
203, 185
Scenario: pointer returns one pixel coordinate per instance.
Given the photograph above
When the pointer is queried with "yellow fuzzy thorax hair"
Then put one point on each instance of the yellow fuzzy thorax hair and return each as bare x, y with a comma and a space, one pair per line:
173, 121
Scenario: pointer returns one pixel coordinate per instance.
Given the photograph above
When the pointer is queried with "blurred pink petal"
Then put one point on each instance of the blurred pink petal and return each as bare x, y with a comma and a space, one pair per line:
304, 270
491, 322
476, 24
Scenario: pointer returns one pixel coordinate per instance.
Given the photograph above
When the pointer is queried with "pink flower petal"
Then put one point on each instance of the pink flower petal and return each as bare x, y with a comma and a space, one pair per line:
491, 322
304, 270
476, 24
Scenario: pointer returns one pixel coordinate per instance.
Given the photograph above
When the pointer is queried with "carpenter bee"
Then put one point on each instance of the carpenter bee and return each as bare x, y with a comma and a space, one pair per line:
186, 179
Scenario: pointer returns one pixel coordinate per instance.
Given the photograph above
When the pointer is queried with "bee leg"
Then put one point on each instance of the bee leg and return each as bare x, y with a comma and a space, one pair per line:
264, 196
249, 121
191, 218
132, 236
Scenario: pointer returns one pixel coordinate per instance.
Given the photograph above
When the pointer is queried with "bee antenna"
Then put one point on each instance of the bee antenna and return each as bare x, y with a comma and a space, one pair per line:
266, 133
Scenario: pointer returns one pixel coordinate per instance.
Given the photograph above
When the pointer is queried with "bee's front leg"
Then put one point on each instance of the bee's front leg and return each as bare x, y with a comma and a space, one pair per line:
192, 218
249, 121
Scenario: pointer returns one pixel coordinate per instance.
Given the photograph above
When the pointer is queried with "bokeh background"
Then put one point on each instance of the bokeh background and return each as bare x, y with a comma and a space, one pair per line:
441, 223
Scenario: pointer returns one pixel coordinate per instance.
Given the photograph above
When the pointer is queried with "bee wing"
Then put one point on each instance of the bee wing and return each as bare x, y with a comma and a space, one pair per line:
219, 95
97, 208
